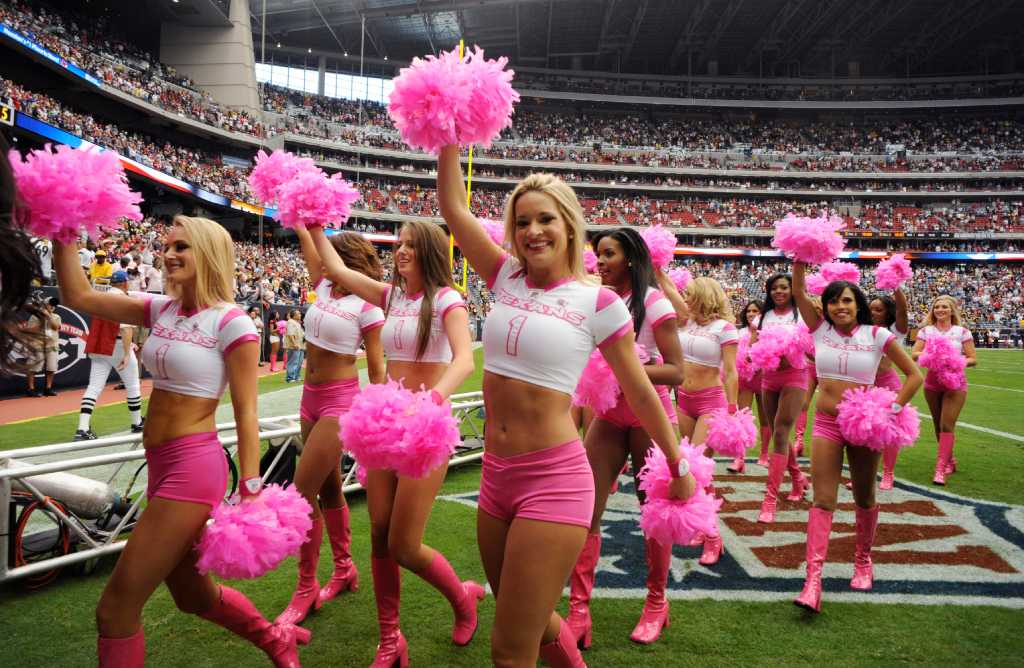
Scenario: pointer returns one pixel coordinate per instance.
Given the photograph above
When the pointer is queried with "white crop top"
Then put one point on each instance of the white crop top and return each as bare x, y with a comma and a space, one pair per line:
658, 310
703, 344
852, 358
545, 336
403, 321
956, 334
185, 353
771, 318
338, 324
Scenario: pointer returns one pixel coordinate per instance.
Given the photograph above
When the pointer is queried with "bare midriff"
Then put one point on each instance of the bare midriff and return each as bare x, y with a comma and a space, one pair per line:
173, 415
523, 417
697, 377
324, 366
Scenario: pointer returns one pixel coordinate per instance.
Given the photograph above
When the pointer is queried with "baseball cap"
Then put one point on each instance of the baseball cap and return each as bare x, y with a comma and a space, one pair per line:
101, 253
119, 277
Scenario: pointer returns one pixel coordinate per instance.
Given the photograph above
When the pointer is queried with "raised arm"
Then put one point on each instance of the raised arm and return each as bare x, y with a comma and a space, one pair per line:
473, 240
676, 299
314, 265
334, 267
76, 293
902, 319
803, 303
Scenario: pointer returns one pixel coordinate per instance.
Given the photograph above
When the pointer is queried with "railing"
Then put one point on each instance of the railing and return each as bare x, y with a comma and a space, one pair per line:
100, 542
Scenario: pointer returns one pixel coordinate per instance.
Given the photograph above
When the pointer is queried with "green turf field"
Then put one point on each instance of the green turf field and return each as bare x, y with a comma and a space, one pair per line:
54, 626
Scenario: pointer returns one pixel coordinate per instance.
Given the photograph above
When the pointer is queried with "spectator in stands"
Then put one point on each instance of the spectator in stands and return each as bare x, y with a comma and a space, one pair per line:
294, 346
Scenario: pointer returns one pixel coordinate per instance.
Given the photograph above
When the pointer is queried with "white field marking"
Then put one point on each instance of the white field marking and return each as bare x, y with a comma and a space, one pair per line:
975, 427
995, 387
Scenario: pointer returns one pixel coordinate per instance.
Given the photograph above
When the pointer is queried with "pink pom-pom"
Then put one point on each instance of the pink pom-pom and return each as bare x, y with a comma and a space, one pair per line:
840, 271
731, 435
810, 240
778, 343
674, 521
246, 540
438, 101
893, 272
744, 369
272, 171
816, 284
310, 198
597, 387
942, 357
361, 474
373, 428
661, 243
495, 230
70, 190
865, 418
431, 435
589, 261
680, 278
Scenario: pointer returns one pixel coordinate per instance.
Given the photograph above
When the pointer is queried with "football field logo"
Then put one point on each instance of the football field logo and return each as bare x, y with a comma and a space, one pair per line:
931, 547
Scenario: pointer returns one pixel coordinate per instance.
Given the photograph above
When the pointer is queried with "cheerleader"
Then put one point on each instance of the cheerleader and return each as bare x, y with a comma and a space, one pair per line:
891, 313
812, 386
847, 351
426, 340
624, 265
750, 390
945, 403
337, 324
199, 344
537, 488
782, 394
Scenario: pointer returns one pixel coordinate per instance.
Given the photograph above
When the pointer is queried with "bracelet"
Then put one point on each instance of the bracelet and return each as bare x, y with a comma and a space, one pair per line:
679, 468
732, 409
437, 397
251, 486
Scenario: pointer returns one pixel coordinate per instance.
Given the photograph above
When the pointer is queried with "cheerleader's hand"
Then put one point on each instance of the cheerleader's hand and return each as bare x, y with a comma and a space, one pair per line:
683, 487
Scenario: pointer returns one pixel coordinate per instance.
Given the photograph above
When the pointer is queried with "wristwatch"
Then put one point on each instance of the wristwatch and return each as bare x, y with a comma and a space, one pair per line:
251, 486
679, 467
896, 407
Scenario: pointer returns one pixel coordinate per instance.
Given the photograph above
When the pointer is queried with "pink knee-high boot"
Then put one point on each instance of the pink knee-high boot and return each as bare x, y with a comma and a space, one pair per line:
307, 588
273, 363
766, 439
819, 526
951, 460
801, 427
581, 584
776, 469
946, 441
889, 456
562, 652
345, 576
127, 652
463, 596
237, 614
655, 614
797, 477
863, 571
387, 587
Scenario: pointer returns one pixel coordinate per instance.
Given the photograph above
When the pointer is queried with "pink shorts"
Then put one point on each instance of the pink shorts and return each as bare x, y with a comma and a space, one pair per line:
826, 427
888, 379
776, 381
327, 399
701, 402
753, 385
622, 415
550, 485
191, 468
932, 384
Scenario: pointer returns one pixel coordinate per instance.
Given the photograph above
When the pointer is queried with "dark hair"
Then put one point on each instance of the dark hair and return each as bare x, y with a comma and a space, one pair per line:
768, 303
19, 266
890, 308
641, 270
743, 322
53, 301
358, 254
832, 293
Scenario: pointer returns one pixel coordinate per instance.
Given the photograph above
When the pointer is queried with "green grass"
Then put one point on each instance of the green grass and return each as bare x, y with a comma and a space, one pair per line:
54, 626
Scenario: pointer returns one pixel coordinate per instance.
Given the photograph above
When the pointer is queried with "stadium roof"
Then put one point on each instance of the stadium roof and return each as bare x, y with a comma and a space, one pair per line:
773, 37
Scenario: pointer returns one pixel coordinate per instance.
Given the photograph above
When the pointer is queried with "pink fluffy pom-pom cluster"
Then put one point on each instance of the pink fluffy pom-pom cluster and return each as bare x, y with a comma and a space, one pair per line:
832, 271
865, 418
70, 190
589, 261
597, 387
249, 539
661, 243
816, 284
782, 342
313, 198
893, 272
443, 100
810, 240
942, 357
273, 171
744, 368
675, 521
680, 278
495, 230
390, 427
731, 435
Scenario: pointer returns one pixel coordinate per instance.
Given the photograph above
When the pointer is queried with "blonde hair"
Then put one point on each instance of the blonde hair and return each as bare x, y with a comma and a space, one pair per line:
954, 307
569, 209
707, 299
214, 254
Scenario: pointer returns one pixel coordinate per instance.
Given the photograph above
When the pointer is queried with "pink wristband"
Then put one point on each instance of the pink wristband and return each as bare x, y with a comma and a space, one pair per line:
673, 469
732, 409
436, 396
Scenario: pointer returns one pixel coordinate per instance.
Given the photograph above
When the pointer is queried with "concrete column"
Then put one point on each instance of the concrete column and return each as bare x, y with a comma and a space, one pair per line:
219, 59
321, 74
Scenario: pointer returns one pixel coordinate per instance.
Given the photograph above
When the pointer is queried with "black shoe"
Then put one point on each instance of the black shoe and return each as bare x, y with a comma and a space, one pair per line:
85, 435
119, 386
49, 393
137, 428
33, 393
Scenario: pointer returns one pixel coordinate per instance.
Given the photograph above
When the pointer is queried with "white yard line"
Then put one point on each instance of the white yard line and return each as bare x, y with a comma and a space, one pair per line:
996, 387
974, 427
